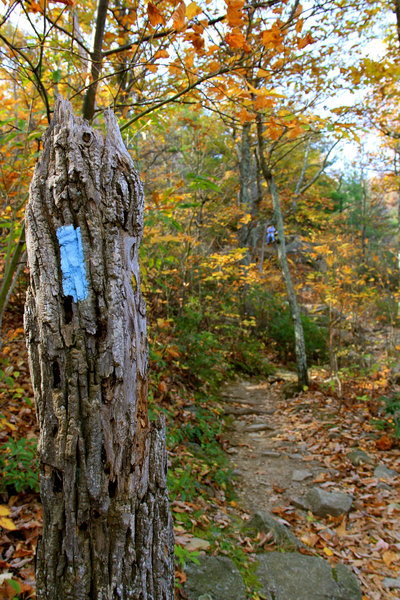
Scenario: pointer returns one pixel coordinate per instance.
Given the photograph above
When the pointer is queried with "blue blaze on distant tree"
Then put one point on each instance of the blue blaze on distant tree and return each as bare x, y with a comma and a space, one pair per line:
72, 262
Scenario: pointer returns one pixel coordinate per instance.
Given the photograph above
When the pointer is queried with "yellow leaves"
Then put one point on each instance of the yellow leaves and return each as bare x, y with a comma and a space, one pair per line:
327, 551
245, 219
179, 16
347, 270
155, 17
262, 73
5, 423
5, 522
389, 557
192, 10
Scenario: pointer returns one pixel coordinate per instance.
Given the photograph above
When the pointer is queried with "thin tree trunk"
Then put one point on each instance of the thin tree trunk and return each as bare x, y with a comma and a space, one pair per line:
300, 346
245, 180
89, 100
107, 529
397, 13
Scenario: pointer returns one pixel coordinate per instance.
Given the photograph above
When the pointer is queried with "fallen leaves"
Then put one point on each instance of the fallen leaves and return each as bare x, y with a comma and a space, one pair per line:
367, 539
384, 442
5, 522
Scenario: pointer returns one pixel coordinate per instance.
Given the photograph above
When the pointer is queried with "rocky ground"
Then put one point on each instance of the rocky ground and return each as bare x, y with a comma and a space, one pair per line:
321, 482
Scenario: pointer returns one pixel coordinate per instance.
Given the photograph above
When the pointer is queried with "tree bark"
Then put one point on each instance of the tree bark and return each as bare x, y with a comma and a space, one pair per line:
300, 347
107, 529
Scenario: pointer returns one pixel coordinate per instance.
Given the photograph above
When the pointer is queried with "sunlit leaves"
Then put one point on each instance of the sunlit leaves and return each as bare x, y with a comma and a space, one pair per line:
5, 522
305, 41
192, 10
179, 16
235, 39
273, 38
155, 16
234, 13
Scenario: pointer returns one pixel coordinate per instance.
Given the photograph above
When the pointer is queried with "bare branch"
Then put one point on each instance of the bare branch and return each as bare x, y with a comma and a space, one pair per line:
304, 168
174, 97
320, 171
37, 79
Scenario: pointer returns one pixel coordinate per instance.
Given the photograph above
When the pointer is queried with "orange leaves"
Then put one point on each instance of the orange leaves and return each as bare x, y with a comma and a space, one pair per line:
162, 54
234, 13
295, 132
196, 40
389, 557
235, 17
305, 41
235, 39
155, 17
245, 116
39, 6
262, 102
179, 16
384, 442
273, 38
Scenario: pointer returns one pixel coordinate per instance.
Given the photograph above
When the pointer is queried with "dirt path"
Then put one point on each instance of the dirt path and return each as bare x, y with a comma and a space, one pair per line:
271, 470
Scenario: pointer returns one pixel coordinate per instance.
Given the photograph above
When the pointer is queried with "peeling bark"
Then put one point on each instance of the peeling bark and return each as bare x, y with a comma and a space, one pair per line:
107, 529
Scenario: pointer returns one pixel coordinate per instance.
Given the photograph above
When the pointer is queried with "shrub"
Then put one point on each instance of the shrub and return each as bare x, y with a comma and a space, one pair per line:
19, 465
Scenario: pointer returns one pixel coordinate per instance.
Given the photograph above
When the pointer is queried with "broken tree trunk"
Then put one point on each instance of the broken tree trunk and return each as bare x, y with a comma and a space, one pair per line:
107, 529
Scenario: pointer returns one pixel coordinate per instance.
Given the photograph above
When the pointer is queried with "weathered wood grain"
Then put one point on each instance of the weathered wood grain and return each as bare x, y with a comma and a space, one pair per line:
107, 526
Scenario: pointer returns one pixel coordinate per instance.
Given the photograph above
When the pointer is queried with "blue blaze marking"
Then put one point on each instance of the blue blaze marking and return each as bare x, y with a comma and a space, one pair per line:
72, 262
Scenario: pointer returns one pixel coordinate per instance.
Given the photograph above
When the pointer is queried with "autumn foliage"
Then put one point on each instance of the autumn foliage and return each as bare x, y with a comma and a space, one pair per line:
190, 83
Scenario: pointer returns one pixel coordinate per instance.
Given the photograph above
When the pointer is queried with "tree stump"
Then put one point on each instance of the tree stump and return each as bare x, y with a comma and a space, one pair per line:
107, 529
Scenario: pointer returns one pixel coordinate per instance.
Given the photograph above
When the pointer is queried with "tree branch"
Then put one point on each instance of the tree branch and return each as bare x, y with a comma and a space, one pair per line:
37, 80
319, 173
174, 97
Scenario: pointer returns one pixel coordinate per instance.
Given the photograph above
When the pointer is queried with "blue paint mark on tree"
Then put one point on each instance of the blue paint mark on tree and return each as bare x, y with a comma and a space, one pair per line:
72, 262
